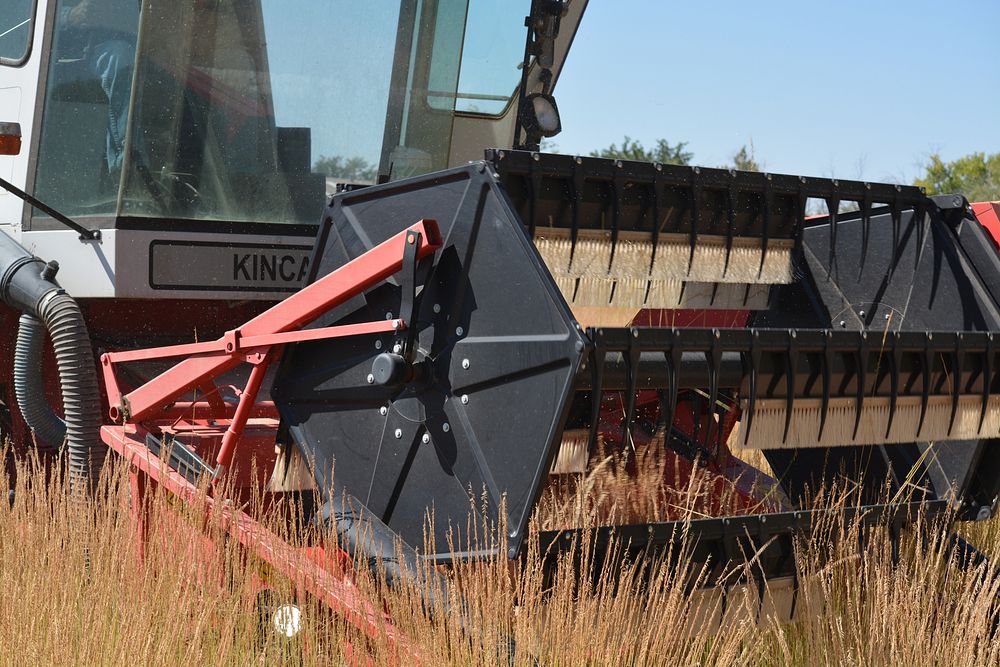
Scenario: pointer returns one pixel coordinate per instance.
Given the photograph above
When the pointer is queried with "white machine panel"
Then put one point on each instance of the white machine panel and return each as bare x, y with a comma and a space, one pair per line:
145, 264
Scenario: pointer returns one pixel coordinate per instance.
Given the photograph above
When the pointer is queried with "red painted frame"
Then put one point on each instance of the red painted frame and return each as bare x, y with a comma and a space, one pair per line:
259, 342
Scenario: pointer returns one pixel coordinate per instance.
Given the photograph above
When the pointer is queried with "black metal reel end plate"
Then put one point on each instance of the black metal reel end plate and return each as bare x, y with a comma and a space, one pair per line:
479, 413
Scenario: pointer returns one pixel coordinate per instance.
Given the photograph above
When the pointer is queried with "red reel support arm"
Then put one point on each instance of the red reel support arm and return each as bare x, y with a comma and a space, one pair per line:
276, 326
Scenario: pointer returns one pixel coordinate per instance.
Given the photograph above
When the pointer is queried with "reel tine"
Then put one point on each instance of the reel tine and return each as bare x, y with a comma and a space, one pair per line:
672, 352
714, 357
695, 214
617, 190
658, 206
824, 401
866, 220
925, 371
987, 379
800, 222
896, 213
832, 209
576, 190
597, 355
768, 205
958, 360
632, 379
895, 359
732, 200
919, 211
862, 357
754, 355
791, 364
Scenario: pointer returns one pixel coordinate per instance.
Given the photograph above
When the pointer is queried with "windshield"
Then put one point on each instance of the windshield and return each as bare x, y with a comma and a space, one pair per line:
252, 110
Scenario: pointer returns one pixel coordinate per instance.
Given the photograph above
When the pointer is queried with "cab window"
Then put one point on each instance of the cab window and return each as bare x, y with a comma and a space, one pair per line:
88, 98
16, 28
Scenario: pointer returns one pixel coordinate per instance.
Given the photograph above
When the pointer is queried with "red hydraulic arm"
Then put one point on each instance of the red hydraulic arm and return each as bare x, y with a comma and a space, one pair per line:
258, 341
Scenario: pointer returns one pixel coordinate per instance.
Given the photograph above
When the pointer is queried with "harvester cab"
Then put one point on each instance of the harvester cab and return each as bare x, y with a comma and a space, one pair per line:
465, 335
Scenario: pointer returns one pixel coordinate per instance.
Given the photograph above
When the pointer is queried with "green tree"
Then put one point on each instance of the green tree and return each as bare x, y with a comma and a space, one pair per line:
350, 169
745, 160
977, 176
663, 152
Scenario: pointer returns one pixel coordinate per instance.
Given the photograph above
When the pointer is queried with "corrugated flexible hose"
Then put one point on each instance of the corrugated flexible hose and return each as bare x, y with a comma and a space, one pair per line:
29, 386
78, 380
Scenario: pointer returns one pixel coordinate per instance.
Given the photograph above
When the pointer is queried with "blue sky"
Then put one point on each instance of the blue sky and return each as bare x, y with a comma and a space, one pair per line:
848, 89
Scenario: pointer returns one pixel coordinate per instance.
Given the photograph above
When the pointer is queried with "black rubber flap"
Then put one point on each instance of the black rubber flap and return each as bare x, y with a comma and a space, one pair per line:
495, 355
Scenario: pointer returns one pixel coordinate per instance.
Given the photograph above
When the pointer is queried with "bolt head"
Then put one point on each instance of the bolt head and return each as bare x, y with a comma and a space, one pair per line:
378, 345
371, 379
465, 364
465, 399
388, 316
426, 438
399, 433
397, 349
861, 313
383, 411
437, 308
459, 331
446, 427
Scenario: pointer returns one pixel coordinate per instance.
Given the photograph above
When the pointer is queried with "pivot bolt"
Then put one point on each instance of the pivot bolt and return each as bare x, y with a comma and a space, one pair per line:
465, 364
426, 438
459, 331
378, 345
399, 433
465, 399
371, 379
383, 411
446, 427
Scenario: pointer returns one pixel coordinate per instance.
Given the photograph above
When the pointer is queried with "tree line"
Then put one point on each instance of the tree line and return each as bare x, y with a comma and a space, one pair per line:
977, 175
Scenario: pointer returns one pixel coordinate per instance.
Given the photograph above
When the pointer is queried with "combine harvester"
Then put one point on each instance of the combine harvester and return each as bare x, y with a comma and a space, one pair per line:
464, 327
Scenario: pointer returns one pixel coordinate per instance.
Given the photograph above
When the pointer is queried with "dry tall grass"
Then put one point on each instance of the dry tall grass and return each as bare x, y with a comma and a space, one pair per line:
74, 593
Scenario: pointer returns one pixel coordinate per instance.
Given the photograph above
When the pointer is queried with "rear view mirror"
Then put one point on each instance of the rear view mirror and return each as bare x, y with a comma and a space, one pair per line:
10, 138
